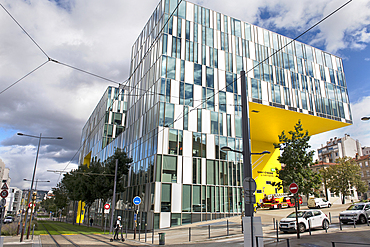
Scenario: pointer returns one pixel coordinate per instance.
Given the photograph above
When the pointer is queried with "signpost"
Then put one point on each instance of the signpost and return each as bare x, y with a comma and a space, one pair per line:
293, 188
137, 202
106, 211
4, 193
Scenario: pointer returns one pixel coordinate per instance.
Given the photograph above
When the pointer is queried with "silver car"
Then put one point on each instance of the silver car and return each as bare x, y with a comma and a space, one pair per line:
359, 212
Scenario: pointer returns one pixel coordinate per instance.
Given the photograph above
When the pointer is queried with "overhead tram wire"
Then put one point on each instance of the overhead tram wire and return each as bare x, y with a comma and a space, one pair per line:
24, 76
204, 101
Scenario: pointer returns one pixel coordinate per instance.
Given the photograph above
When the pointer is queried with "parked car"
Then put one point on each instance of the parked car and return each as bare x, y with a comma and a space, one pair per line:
8, 219
316, 219
318, 203
359, 212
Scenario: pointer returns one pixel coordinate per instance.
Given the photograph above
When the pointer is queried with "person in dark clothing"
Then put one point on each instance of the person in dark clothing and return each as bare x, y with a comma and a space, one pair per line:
118, 227
91, 221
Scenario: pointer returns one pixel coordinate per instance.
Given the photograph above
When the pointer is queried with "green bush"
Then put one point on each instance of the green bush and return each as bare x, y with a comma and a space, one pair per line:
9, 229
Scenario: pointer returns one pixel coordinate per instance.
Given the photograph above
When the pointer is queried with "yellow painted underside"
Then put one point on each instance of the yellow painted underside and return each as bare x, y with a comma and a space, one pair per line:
265, 126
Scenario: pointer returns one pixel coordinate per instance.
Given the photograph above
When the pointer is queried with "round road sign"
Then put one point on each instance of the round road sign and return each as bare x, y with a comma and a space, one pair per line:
136, 200
30, 205
293, 188
4, 193
106, 206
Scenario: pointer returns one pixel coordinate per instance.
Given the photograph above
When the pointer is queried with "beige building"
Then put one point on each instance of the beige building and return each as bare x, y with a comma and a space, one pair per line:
363, 162
326, 193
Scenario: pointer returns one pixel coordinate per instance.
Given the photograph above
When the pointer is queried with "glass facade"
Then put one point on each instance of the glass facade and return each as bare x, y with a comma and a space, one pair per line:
184, 105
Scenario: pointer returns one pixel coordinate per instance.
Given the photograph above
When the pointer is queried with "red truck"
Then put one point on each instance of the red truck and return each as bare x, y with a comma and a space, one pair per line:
282, 200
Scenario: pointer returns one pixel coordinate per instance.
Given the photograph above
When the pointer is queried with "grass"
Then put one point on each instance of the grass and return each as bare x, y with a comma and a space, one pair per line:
57, 228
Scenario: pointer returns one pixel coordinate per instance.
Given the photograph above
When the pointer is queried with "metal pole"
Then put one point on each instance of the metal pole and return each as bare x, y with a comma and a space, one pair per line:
273, 222
277, 232
114, 198
296, 202
247, 167
227, 225
209, 231
189, 234
309, 226
330, 217
29, 193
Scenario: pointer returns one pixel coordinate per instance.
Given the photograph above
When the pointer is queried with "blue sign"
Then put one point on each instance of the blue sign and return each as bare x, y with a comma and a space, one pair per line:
135, 217
137, 200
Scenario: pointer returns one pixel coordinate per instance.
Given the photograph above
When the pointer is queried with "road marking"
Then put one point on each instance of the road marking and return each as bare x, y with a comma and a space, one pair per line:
230, 239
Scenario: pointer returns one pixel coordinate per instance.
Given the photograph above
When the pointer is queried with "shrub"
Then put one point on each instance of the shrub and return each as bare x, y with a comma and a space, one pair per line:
9, 229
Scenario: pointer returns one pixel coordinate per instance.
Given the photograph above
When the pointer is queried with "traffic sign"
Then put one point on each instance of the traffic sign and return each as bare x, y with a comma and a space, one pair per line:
106, 206
137, 200
135, 217
249, 184
2, 202
293, 188
5, 187
4, 193
30, 205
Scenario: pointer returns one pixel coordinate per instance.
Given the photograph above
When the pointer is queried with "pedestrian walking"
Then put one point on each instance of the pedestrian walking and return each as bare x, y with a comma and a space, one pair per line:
91, 221
117, 228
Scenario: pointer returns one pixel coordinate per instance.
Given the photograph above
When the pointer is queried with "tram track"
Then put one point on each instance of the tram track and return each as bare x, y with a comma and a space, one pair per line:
98, 237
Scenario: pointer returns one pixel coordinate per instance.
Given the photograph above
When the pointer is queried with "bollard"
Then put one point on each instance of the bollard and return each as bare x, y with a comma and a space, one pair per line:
161, 238
139, 231
340, 224
277, 231
309, 226
227, 223
354, 222
153, 235
330, 217
367, 222
257, 241
189, 234
273, 222
287, 242
126, 229
209, 231
33, 230
332, 244
145, 231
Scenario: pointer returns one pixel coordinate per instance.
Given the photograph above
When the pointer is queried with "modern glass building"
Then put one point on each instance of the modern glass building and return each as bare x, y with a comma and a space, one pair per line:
184, 105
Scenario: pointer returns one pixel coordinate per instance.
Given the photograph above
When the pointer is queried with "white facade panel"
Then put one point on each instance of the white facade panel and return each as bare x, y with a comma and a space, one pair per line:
193, 119
187, 144
187, 174
157, 197
206, 121
175, 91
221, 80
265, 95
204, 171
221, 60
179, 169
179, 112
160, 140
165, 140
189, 72
165, 220
230, 109
176, 201
210, 147
189, 11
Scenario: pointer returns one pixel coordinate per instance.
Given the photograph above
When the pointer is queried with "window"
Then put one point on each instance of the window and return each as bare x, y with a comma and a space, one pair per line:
186, 195
366, 164
169, 173
198, 74
197, 171
166, 198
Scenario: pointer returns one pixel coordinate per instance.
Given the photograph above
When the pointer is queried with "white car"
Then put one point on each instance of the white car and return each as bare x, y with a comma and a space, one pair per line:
359, 212
318, 203
8, 219
316, 219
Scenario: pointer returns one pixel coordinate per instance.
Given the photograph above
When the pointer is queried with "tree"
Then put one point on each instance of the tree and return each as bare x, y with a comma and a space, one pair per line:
344, 176
297, 158
60, 197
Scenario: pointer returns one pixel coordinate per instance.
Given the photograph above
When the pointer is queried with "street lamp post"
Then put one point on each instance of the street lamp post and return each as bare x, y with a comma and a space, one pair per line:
33, 175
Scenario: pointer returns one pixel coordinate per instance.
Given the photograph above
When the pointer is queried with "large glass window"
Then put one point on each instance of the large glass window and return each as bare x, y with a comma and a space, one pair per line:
197, 171
198, 74
214, 123
210, 172
222, 101
197, 206
169, 173
172, 139
186, 195
166, 198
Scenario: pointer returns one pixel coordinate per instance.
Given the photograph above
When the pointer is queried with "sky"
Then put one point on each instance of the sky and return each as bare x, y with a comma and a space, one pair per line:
97, 36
